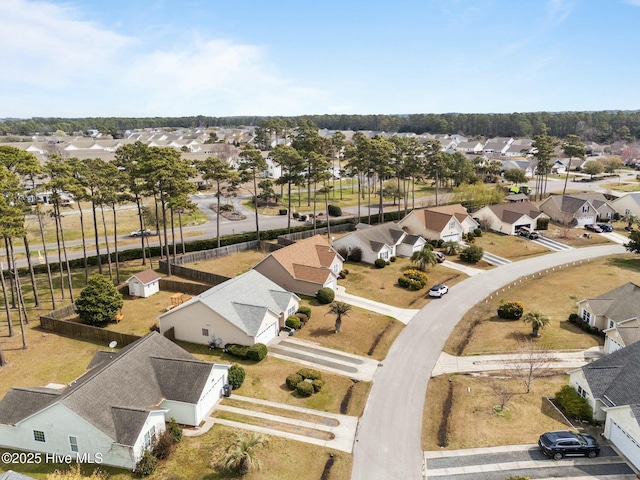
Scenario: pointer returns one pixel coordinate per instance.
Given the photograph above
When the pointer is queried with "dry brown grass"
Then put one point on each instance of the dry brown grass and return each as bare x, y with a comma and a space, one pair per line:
509, 246
230, 265
266, 380
381, 284
574, 236
363, 332
553, 293
472, 411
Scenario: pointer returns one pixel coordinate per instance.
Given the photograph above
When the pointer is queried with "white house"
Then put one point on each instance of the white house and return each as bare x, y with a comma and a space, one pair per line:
611, 308
611, 385
508, 217
448, 222
144, 284
380, 241
621, 334
627, 204
246, 310
118, 407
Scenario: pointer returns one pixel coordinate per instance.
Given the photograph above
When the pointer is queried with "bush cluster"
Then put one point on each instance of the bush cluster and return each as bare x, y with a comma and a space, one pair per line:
174, 430
146, 465
413, 279
380, 263
255, 352
542, 223
437, 243
305, 381
293, 322
325, 295
472, 254
305, 310
393, 259
572, 404
511, 310
343, 273
584, 325
334, 211
355, 255
236, 376
477, 232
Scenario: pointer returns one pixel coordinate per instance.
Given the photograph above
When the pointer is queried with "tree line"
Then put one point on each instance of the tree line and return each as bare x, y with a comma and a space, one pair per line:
601, 126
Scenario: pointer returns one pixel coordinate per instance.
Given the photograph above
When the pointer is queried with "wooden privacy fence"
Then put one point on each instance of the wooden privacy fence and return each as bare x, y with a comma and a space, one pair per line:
86, 332
291, 238
215, 252
170, 285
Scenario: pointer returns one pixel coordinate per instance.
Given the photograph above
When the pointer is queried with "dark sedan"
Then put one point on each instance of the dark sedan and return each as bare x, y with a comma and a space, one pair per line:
606, 227
594, 228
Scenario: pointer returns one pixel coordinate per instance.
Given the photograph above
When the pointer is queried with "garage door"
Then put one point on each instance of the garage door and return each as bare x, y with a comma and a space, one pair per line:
627, 445
451, 238
331, 285
267, 334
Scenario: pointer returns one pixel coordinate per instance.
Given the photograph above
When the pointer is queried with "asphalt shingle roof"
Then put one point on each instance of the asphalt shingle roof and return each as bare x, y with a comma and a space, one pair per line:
615, 378
621, 303
146, 277
135, 379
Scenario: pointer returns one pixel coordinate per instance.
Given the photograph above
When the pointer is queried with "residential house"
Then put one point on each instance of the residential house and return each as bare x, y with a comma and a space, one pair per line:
527, 165
380, 241
497, 146
627, 204
507, 218
583, 208
616, 306
621, 335
471, 148
118, 407
247, 309
448, 222
611, 385
519, 148
303, 267
144, 284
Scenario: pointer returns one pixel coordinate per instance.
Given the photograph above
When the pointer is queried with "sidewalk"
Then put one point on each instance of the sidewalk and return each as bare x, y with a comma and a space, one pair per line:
401, 314
448, 364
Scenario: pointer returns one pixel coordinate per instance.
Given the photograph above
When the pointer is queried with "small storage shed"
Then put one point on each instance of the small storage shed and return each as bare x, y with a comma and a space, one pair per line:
144, 284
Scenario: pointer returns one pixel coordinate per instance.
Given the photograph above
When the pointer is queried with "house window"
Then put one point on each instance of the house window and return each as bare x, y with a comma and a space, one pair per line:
582, 392
73, 444
586, 316
205, 332
611, 323
150, 437
585, 208
452, 224
335, 268
384, 255
627, 211
291, 311
38, 436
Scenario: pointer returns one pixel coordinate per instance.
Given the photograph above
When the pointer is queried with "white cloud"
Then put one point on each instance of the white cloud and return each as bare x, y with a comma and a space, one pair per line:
559, 10
60, 64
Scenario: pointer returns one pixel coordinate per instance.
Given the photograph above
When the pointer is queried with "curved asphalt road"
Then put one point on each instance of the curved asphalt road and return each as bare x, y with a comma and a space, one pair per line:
388, 442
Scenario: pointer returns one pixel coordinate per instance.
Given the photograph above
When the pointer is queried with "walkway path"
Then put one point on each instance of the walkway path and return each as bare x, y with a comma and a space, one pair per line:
447, 364
319, 428
396, 402
401, 314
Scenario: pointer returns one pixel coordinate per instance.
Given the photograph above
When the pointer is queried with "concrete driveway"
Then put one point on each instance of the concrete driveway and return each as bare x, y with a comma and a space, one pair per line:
498, 463
388, 444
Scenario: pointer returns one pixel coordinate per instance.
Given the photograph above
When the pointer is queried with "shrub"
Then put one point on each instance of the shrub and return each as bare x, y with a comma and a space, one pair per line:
511, 310
293, 322
236, 376
334, 211
257, 352
594, 330
572, 404
293, 380
303, 319
304, 389
163, 446
416, 275
472, 254
406, 282
393, 259
305, 310
477, 232
174, 430
471, 237
380, 263
433, 243
343, 252
146, 465
574, 317
325, 295
317, 385
355, 255
542, 223
309, 373
99, 301
236, 350
343, 273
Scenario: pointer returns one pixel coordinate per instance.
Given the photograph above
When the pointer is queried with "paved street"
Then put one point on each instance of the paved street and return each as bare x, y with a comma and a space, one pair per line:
388, 444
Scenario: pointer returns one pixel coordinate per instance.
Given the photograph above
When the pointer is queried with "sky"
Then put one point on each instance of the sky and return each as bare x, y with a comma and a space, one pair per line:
140, 58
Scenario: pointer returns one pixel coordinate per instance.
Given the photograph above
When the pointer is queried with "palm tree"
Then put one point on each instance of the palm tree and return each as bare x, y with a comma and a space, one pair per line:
339, 309
240, 455
425, 258
537, 320
451, 247
630, 218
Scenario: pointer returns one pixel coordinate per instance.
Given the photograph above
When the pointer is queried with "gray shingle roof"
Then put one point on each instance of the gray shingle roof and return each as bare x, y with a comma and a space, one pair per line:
243, 300
135, 379
621, 303
11, 475
615, 378
376, 237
